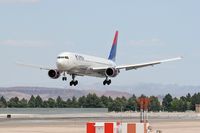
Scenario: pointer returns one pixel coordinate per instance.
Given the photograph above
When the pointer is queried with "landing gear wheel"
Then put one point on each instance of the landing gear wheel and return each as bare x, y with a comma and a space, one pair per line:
109, 82
64, 78
73, 82
106, 81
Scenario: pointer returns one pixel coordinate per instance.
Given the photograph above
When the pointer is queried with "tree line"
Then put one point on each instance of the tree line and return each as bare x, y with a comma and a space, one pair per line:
168, 103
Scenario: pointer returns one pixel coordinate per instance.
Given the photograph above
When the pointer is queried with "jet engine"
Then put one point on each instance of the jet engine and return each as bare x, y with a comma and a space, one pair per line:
54, 74
111, 72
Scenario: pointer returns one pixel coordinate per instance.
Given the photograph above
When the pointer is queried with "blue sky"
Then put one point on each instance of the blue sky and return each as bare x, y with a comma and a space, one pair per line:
36, 31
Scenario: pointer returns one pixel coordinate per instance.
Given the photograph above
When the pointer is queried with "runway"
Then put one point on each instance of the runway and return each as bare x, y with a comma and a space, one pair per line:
166, 122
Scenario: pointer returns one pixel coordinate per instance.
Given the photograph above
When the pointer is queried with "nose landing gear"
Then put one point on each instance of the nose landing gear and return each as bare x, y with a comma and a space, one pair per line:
64, 78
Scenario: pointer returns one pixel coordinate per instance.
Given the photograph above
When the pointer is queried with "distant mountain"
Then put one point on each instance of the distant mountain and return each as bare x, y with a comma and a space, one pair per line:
151, 89
161, 89
45, 93
114, 91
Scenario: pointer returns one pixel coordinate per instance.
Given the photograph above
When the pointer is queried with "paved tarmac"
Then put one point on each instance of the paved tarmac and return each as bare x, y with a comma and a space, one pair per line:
76, 123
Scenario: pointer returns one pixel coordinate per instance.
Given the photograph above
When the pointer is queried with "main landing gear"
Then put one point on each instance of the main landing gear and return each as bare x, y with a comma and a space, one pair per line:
107, 81
73, 82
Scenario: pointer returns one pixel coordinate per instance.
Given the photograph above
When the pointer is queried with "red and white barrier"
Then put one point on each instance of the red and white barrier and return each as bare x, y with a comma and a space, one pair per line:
113, 127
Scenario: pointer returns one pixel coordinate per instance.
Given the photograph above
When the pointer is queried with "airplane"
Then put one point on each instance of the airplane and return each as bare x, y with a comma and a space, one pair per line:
75, 64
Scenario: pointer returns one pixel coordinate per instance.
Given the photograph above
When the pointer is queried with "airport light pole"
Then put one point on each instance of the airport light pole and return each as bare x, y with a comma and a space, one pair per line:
144, 103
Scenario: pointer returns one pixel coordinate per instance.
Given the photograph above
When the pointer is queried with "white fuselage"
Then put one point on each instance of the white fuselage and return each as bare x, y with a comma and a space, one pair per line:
80, 64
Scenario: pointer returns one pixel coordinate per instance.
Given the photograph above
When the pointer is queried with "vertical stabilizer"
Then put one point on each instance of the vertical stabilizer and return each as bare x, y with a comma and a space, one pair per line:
113, 50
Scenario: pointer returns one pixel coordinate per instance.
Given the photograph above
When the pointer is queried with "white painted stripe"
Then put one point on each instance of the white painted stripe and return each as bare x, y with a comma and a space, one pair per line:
124, 127
99, 126
139, 127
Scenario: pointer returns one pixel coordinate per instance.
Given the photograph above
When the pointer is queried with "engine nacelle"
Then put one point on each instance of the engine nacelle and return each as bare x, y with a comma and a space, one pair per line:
111, 72
54, 74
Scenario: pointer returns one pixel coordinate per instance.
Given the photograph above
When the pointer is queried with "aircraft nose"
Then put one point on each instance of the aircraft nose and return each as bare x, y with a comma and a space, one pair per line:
62, 64
59, 63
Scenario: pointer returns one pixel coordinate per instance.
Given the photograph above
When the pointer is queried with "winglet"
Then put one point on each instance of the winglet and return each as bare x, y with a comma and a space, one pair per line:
113, 50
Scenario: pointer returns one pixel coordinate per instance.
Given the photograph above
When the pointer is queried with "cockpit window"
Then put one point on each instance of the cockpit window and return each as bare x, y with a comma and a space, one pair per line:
59, 57
63, 57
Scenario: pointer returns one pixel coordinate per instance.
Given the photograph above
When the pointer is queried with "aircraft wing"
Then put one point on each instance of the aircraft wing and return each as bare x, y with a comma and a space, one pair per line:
33, 66
136, 66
